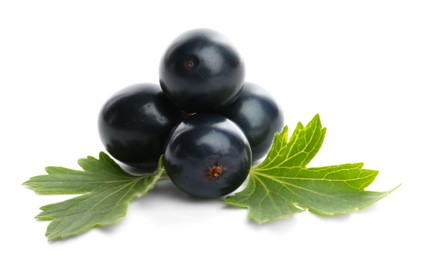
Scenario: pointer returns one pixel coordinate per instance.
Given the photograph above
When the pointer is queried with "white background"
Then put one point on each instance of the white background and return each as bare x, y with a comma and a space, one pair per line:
365, 66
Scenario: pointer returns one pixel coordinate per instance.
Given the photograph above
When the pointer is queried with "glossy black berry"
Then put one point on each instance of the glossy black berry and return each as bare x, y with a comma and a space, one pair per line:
207, 156
201, 71
258, 115
134, 125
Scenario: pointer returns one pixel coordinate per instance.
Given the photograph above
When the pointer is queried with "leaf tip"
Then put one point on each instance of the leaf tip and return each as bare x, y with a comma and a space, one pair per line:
26, 183
52, 237
29, 184
316, 120
396, 187
103, 155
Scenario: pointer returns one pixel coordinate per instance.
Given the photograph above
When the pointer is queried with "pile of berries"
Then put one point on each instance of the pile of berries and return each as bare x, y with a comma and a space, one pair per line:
208, 123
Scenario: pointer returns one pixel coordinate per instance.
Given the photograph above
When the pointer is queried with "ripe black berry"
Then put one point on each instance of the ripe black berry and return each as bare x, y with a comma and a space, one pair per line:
258, 115
207, 156
134, 125
201, 71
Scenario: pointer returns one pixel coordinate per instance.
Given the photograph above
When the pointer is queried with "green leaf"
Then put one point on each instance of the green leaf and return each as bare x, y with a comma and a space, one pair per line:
282, 185
106, 189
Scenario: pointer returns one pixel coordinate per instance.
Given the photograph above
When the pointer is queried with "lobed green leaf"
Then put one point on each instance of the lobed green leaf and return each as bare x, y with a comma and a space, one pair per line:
282, 185
106, 189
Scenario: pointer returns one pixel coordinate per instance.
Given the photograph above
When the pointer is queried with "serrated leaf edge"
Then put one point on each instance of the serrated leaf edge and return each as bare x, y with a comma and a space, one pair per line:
105, 158
261, 167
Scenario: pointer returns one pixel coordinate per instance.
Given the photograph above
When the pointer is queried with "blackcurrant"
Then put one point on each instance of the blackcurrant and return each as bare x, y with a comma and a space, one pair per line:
134, 125
258, 115
201, 71
207, 156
